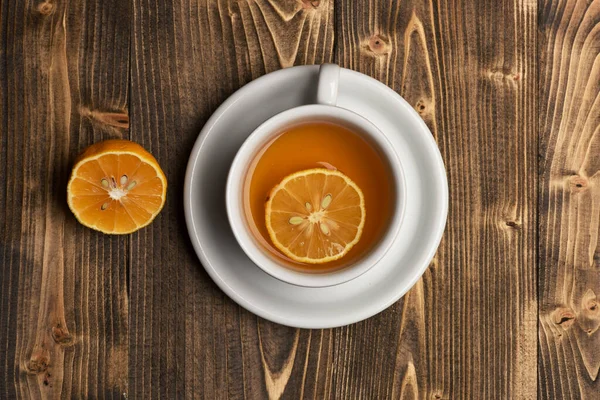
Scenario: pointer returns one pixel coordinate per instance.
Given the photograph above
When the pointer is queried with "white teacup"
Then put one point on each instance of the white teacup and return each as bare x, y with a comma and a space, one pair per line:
325, 111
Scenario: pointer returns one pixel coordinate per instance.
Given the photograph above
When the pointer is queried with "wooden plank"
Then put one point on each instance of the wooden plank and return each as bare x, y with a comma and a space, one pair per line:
63, 302
468, 328
480, 339
569, 246
187, 340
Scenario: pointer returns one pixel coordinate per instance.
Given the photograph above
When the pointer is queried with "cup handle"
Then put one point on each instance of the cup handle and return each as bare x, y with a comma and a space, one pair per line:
329, 79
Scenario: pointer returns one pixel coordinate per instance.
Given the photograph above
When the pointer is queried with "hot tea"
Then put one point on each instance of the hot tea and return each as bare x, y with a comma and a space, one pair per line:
312, 149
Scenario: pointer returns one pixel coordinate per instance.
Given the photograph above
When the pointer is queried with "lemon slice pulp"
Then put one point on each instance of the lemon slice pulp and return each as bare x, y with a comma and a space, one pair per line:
315, 216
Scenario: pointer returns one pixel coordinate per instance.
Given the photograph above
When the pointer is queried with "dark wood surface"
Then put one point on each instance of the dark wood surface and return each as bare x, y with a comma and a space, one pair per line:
509, 307
569, 200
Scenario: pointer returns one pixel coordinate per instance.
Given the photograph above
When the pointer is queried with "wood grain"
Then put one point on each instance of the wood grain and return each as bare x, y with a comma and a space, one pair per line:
511, 93
468, 329
569, 246
63, 308
187, 340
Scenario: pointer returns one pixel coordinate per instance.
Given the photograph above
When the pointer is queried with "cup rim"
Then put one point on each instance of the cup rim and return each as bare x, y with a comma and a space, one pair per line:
235, 189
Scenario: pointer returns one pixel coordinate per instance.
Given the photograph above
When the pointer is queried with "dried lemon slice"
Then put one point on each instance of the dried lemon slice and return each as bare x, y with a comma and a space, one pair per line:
315, 216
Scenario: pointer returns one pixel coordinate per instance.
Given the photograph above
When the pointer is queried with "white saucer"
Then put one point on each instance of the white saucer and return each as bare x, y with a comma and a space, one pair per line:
260, 293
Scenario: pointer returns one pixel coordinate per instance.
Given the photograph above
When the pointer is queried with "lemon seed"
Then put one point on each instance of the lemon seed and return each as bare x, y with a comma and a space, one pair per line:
308, 206
326, 201
324, 228
104, 183
131, 185
123, 180
296, 220
104, 206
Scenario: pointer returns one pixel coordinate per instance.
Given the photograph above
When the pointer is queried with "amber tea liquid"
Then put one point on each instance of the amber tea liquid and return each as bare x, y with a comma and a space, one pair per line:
321, 145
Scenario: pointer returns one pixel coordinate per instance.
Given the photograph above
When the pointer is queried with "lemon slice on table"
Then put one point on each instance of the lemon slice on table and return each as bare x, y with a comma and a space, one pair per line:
315, 216
116, 187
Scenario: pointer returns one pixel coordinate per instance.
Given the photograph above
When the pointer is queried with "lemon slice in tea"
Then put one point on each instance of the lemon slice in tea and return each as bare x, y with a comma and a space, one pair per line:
315, 216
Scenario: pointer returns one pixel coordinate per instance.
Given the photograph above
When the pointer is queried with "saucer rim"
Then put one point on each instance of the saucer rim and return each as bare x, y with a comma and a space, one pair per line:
357, 315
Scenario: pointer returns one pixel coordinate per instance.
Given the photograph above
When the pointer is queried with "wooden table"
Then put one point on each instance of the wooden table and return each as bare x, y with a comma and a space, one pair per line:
508, 309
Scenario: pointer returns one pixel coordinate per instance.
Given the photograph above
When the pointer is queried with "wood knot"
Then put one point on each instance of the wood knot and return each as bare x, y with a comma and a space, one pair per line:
311, 4
496, 76
589, 302
503, 76
119, 120
45, 8
116, 119
378, 45
513, 225
38, 363
46, 380
62, 336
423, 107
577, 183
563, 316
